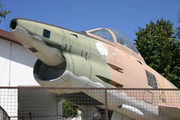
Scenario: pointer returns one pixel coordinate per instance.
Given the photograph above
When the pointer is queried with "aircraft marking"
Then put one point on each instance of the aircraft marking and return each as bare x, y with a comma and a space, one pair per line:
151, 79
112, 51
127, 55
102, 50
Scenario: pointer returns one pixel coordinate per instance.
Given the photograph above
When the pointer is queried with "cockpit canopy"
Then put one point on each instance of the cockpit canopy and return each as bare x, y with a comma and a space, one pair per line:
120, 37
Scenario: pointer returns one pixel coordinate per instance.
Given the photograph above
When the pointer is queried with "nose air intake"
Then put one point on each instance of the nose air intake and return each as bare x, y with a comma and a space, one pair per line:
13, 24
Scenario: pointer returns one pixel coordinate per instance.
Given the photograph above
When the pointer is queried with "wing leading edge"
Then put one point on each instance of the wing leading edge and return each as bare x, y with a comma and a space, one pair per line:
172, 112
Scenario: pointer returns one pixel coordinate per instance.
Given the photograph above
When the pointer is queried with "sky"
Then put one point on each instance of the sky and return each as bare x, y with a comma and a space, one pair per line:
81, 15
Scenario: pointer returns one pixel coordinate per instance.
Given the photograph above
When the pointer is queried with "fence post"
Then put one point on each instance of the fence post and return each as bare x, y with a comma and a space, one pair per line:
106, 104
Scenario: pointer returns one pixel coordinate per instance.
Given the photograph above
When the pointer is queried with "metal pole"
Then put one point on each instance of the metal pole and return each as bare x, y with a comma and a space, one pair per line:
106, 104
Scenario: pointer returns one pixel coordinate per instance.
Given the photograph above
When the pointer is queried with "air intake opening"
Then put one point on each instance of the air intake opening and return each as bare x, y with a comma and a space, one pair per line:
13, 24
47, 73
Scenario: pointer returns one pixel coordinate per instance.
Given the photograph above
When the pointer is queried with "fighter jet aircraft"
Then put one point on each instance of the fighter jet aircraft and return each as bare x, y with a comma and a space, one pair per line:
98, 58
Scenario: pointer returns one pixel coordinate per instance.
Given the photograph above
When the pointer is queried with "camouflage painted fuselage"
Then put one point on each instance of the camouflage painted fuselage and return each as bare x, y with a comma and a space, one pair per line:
83, 59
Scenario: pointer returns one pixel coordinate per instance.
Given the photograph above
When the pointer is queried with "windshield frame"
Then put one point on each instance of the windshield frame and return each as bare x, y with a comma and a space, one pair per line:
130, 44
100, 38
115, 43
103, 33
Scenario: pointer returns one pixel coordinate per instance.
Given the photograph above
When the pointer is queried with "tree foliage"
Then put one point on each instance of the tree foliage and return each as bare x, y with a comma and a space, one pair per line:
3, 13
160, 50
177, 32
69, 110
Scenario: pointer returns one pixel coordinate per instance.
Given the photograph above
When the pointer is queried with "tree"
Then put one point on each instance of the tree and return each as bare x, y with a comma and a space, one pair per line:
160, 50
177, 32
3, 13
69, 110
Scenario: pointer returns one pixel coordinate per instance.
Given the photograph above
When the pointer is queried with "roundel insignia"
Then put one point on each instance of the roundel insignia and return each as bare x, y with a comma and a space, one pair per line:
112, 51
102, 50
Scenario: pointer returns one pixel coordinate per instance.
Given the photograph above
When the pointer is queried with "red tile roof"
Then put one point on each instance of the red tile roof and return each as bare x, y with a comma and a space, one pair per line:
8, 36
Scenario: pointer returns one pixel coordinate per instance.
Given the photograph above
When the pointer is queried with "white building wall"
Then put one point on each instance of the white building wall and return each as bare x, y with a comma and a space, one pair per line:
16, 69
16, 65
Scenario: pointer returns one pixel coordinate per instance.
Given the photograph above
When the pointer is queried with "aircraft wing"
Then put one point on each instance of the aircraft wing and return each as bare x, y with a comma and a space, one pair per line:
173, 112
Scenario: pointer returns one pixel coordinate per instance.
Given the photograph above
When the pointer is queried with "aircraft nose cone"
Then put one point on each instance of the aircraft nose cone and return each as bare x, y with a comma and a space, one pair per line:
19, 32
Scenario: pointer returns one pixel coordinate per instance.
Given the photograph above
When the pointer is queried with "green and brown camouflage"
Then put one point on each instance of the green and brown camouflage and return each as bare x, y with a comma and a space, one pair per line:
80, 52
100, 57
